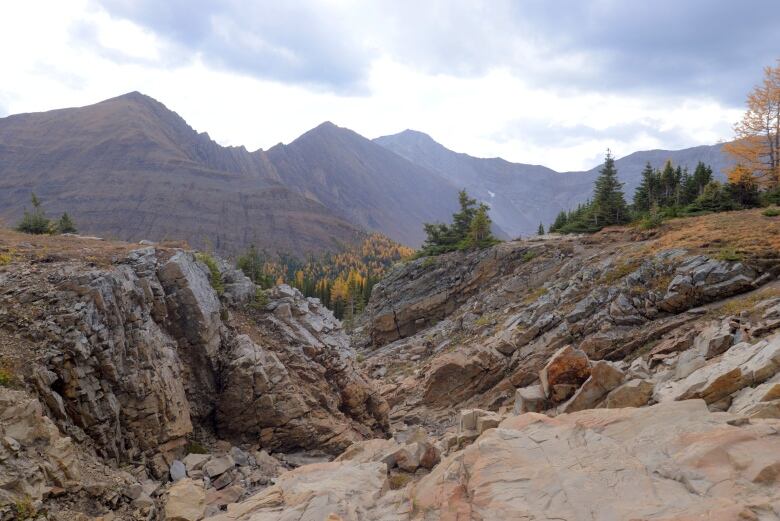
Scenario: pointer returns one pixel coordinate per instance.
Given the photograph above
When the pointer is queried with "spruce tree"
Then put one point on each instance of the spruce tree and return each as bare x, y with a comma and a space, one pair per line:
560, 221
479, 234
645, 196
609, 205
36, 221
540, 231
66, 224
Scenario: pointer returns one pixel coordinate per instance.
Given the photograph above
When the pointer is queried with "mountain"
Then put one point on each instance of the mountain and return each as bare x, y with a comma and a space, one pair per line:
131, 169
364, 183
522, 195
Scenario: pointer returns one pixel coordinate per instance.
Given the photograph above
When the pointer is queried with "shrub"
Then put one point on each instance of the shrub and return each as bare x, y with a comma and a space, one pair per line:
6, 378
528, 256
215, 277
260, 301
194, 447
771, 212
24, 508
728, 254
6, 258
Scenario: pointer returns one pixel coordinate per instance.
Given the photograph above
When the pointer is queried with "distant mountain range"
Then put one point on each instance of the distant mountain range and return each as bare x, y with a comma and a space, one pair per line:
521, 195
130, 169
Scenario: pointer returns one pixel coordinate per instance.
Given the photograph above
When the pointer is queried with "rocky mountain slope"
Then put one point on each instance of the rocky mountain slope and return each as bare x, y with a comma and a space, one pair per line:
129, 353
625, 375
520, 195
131, 169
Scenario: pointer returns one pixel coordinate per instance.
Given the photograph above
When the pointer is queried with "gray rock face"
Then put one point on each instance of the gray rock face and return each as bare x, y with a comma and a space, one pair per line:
130, 356
282, 396
701, 280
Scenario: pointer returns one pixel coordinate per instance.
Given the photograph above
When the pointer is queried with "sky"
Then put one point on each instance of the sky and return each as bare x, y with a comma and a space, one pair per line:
532, 81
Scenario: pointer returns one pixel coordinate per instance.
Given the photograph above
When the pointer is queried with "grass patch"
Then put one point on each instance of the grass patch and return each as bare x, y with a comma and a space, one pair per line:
215, 277
771, 212
642, 351
621, 270
428, 262
534, 295
24, 508
398, 481
729, 254
528, 256
484, 320
747, 302
194, 447
6, 258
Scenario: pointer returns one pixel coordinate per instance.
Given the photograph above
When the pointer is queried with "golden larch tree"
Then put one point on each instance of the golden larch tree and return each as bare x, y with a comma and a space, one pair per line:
756, 147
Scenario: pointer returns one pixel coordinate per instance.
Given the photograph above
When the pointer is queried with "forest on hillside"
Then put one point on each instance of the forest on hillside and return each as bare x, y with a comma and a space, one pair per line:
342, 281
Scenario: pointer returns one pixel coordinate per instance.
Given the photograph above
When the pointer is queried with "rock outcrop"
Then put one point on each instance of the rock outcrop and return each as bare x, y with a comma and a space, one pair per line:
134, 357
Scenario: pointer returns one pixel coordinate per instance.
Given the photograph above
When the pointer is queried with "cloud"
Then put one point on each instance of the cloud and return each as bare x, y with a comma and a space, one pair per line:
697, 47
520, 80
298, 42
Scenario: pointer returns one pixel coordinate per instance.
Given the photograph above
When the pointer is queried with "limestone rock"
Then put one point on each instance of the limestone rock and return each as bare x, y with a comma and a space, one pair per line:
762, 401
568, 366
218, 465
33, 453
741, 366
713, 471
343, 490
603, 378
186, 501
530, 399
633, 393
195, 461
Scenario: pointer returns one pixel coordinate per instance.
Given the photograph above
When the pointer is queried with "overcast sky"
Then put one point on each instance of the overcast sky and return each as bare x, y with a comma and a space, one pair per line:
533, 81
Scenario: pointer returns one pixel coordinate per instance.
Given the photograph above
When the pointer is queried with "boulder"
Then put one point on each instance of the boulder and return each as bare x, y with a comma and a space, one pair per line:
603, 378
741, 366
218, 465
714, 339
177, 470
695, 464
530, 399
568, 366
344, 490
195, 461
762, 401
186, 501
633, 393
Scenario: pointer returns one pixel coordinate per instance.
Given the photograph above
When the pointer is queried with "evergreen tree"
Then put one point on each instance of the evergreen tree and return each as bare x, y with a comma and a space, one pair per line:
609, 205
66, 224
479, 234
442, 238
645, 194
560, 221
540, 231
35, 221
461, 221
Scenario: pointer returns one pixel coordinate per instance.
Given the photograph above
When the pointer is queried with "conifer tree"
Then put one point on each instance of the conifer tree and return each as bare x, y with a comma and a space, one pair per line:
609, 206
36, 221
645, 194
540, 231
66, 224
479, 235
